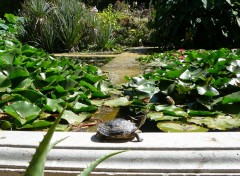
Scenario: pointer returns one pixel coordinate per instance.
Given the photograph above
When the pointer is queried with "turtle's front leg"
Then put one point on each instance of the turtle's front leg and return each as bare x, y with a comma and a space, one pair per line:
138, 137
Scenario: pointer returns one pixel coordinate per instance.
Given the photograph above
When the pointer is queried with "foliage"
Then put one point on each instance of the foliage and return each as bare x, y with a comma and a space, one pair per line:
32, 79
64, 26
198, 87
68, 25
204, 24
133, 32
37, 164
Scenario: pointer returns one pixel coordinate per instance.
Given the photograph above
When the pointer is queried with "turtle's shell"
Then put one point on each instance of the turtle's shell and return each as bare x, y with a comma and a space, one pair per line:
117, 128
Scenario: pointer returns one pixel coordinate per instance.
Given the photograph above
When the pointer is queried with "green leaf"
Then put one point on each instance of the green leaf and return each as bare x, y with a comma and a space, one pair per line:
53, 105
122, 101
23, 111
6, 125
73, 118
171, 110
186, 75
26, 83
221, 122
86, 84
180, 127
31, 95
231, 98
207, 90
15, 71
37, 124
5, 82
80, 107
37, 164
159, 116
202, 113
6, 57
92, 166
11, 18
234, 66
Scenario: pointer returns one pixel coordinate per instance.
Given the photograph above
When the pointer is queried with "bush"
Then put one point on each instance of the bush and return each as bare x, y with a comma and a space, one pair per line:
197, 24
65, 25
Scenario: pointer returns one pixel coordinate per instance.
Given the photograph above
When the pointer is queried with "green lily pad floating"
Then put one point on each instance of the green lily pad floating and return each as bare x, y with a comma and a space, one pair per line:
5, 82
122, 101
180, 127
202, 113
23, 111
221, 122
207, 90
159, 116
73, 118
37, 124
171, 110
231, 98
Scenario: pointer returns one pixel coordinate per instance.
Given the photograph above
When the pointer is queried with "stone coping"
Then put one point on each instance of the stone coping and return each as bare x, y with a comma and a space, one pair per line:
159, 154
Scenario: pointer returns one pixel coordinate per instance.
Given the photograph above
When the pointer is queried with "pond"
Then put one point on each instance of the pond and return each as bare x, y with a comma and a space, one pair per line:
97, 61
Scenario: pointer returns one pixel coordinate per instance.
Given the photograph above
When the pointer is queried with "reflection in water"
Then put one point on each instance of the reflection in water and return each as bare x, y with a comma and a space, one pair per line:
102, 115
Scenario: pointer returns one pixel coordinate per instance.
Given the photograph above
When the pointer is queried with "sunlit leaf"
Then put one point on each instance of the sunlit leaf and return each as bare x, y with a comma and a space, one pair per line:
122, 101
220, 123
6, 57
234, 66
159, 116
231, 98
53, 105
23, 111
5, 82
73, 118
207, 90
180, 127
171, 110
81, 107
186, 75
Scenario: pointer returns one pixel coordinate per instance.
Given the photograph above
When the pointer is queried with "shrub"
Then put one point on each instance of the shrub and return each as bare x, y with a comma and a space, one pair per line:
197, 24
67, 25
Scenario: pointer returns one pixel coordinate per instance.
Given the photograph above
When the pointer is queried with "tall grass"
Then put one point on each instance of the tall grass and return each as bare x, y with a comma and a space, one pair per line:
71, 16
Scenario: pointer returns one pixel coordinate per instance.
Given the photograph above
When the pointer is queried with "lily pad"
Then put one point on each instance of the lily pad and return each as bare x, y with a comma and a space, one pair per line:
231, 98
37, 124
171, 110
220, 123
73, 118
53, 105
122, 101
23, 111
180, 127
207, 90
159, 116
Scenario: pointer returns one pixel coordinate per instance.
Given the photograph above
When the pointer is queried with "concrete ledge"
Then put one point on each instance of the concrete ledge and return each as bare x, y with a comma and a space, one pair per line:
158, 154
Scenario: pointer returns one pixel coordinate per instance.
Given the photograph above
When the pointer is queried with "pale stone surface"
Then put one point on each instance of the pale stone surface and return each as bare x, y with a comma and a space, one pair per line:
158, 154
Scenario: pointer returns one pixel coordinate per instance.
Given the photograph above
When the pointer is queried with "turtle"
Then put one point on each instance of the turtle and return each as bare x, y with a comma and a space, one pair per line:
120, 128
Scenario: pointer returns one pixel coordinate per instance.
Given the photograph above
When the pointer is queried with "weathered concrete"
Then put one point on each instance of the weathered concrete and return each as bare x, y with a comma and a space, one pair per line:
159, 154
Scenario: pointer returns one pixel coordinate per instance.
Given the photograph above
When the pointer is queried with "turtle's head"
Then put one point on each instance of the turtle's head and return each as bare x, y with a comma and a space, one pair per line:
139, 120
